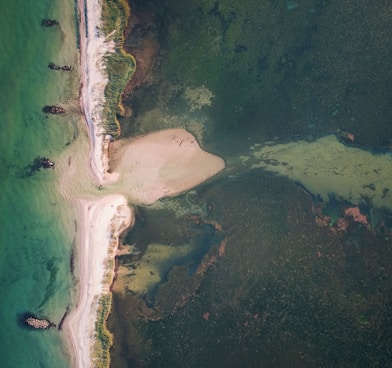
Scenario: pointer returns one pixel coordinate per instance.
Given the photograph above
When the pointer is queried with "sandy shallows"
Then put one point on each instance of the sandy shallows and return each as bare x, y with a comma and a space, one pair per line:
326, 167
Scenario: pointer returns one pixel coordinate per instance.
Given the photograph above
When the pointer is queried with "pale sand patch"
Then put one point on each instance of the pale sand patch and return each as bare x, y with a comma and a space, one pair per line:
327, 166
101, 222
161, 164
198, 97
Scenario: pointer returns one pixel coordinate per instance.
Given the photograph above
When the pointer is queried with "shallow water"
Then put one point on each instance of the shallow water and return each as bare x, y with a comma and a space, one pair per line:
36, 240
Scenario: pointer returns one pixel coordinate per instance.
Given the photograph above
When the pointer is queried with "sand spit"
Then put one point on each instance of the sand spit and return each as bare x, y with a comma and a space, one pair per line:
102, 221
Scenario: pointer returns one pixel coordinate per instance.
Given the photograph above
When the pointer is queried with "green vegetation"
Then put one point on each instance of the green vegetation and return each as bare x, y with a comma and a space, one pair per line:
120, 66
103, 338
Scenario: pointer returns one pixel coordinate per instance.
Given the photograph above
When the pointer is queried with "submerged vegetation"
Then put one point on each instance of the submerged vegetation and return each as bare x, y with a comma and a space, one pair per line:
120, 66
287, 291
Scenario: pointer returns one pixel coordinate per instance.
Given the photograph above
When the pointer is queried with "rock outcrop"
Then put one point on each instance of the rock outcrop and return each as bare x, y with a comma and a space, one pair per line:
38, 323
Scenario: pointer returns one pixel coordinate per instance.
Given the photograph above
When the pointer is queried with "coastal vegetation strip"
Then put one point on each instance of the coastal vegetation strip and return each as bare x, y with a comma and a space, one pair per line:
120, 65
103, 338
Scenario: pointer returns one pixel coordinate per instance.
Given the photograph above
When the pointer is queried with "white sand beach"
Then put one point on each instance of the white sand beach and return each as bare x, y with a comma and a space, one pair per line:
145, 169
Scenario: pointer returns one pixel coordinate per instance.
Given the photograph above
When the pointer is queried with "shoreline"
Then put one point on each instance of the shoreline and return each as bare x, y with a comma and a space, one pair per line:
101, 220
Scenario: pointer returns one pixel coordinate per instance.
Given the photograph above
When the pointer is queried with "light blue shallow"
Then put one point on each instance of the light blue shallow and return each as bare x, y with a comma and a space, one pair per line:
35, 247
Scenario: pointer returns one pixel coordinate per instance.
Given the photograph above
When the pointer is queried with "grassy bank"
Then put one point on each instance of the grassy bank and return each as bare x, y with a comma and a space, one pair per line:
120, 66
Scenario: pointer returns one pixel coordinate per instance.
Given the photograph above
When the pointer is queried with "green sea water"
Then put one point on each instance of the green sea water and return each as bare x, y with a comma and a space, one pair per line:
36, 225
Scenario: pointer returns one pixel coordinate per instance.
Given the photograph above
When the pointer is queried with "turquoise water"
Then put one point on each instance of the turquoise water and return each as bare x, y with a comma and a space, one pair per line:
35, 232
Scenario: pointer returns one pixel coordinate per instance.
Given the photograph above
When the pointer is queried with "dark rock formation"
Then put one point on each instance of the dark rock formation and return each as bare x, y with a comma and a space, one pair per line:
47, 163
49, 22
53, 109
38, 164
64, 68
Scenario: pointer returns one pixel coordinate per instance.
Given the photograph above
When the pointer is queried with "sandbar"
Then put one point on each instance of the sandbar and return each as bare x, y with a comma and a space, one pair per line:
161, 164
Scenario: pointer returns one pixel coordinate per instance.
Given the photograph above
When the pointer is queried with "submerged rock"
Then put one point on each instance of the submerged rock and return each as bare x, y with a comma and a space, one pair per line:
53, 109
47, 163
64, 68
49, 22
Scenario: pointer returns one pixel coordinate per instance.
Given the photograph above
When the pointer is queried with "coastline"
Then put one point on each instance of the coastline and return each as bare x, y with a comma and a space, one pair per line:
100, 220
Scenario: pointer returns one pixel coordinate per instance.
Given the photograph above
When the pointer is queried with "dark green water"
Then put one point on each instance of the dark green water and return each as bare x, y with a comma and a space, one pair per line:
35, 227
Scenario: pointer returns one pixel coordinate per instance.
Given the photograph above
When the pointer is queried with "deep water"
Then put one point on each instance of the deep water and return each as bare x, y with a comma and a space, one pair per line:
35, 237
